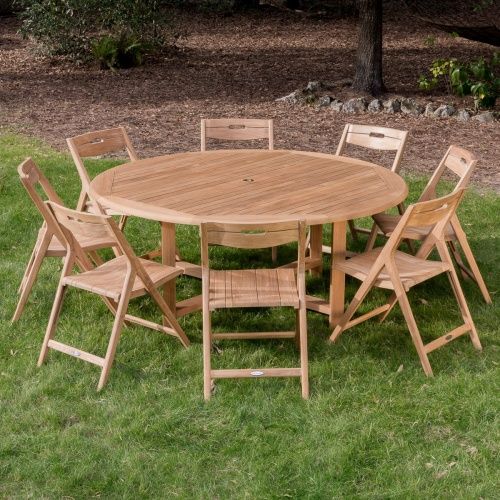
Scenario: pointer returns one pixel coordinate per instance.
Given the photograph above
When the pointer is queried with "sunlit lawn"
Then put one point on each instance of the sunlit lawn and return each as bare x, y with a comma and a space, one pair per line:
375, 426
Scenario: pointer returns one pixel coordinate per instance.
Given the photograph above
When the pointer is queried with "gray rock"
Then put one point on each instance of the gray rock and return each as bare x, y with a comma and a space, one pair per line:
411, 107
444, 111
336, 105
375, 106
313, 87
324, 101
294, 98
429, 110
392, 106
486, 117
356, 105
463, 115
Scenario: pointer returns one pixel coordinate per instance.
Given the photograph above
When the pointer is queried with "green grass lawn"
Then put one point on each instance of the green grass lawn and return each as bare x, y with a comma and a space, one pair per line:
374, 427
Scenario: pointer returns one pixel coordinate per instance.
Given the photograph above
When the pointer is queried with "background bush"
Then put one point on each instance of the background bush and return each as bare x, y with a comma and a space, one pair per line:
73, 27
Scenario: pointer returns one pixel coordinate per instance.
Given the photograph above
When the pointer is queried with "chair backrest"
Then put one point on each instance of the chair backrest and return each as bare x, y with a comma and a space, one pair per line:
435, 213
77, 225
253, 236
98, 143
457, 160
31, 177
373, 137
236, 129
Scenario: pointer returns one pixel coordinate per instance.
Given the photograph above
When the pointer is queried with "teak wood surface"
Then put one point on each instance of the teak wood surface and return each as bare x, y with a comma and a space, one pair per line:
259, 186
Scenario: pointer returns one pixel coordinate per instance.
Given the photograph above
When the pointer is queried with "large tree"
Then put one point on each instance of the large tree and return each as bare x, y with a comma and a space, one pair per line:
368, 77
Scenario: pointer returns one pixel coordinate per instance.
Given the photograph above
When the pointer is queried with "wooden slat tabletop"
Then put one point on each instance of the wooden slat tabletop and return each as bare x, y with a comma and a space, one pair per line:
244, 185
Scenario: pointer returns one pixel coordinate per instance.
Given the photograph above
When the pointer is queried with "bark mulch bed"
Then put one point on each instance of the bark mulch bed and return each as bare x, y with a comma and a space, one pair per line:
238, 66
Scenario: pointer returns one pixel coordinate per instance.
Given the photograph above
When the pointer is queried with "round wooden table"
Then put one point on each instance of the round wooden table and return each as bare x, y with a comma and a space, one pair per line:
252, 186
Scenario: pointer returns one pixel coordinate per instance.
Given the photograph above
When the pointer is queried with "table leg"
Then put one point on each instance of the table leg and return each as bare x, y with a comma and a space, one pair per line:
168, 252
337, 278
316, 246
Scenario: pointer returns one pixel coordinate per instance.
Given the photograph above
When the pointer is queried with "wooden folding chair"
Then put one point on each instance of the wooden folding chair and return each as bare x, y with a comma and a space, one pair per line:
389, 268
460, 162
50, 242
92, 144
253, 288
372, 137
118, 280
99, 143
236, 129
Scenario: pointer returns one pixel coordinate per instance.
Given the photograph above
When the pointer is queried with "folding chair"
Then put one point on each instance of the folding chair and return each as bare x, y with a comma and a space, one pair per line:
99, 143
50, 242
253, 288
92, 144
236, 129
118, 280
461, 163
372, 137
389, 268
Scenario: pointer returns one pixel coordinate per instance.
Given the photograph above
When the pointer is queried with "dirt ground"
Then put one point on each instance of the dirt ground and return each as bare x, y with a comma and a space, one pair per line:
238, 66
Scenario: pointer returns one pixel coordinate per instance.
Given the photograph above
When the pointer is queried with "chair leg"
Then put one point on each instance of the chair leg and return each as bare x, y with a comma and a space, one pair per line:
415, 334
121, 311
96, 258
122, 222
169, 315
29, 265
207, 347
352, 308
464, 308
372, 238
297, 329
352, 229
458, 259
30, 279
475, 270
304, 363
391, 302
469, 256
274, 254
51, 327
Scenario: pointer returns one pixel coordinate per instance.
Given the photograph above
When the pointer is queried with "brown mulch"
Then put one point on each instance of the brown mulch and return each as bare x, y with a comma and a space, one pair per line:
238, 66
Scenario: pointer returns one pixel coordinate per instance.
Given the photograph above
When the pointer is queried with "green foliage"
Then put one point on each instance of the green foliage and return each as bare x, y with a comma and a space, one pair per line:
476, 78
74, 28
121, 52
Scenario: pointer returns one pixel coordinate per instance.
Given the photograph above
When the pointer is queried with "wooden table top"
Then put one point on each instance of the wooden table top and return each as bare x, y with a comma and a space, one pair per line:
249, 185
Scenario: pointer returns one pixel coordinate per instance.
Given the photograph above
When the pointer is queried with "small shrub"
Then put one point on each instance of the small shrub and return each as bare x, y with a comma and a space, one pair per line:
476, 78
74, 28
122, 52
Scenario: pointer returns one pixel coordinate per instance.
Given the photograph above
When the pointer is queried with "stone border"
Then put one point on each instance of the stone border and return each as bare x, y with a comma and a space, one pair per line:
314, 94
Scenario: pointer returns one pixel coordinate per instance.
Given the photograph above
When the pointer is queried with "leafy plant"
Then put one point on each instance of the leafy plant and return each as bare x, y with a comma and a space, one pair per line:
74, 28
122, 52
476, 78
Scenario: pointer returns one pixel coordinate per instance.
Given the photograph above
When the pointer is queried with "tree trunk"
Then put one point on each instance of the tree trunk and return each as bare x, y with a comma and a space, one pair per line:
368, 77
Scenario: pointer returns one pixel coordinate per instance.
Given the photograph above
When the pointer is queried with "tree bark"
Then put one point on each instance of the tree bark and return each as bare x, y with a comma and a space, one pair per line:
368, 77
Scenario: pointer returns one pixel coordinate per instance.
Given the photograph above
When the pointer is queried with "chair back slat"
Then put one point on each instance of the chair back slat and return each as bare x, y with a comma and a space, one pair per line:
459, 161
80, 225
236, 129
252, 235
98, 143
429, 213
381, 138
31, 176
101, 142
373, 137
